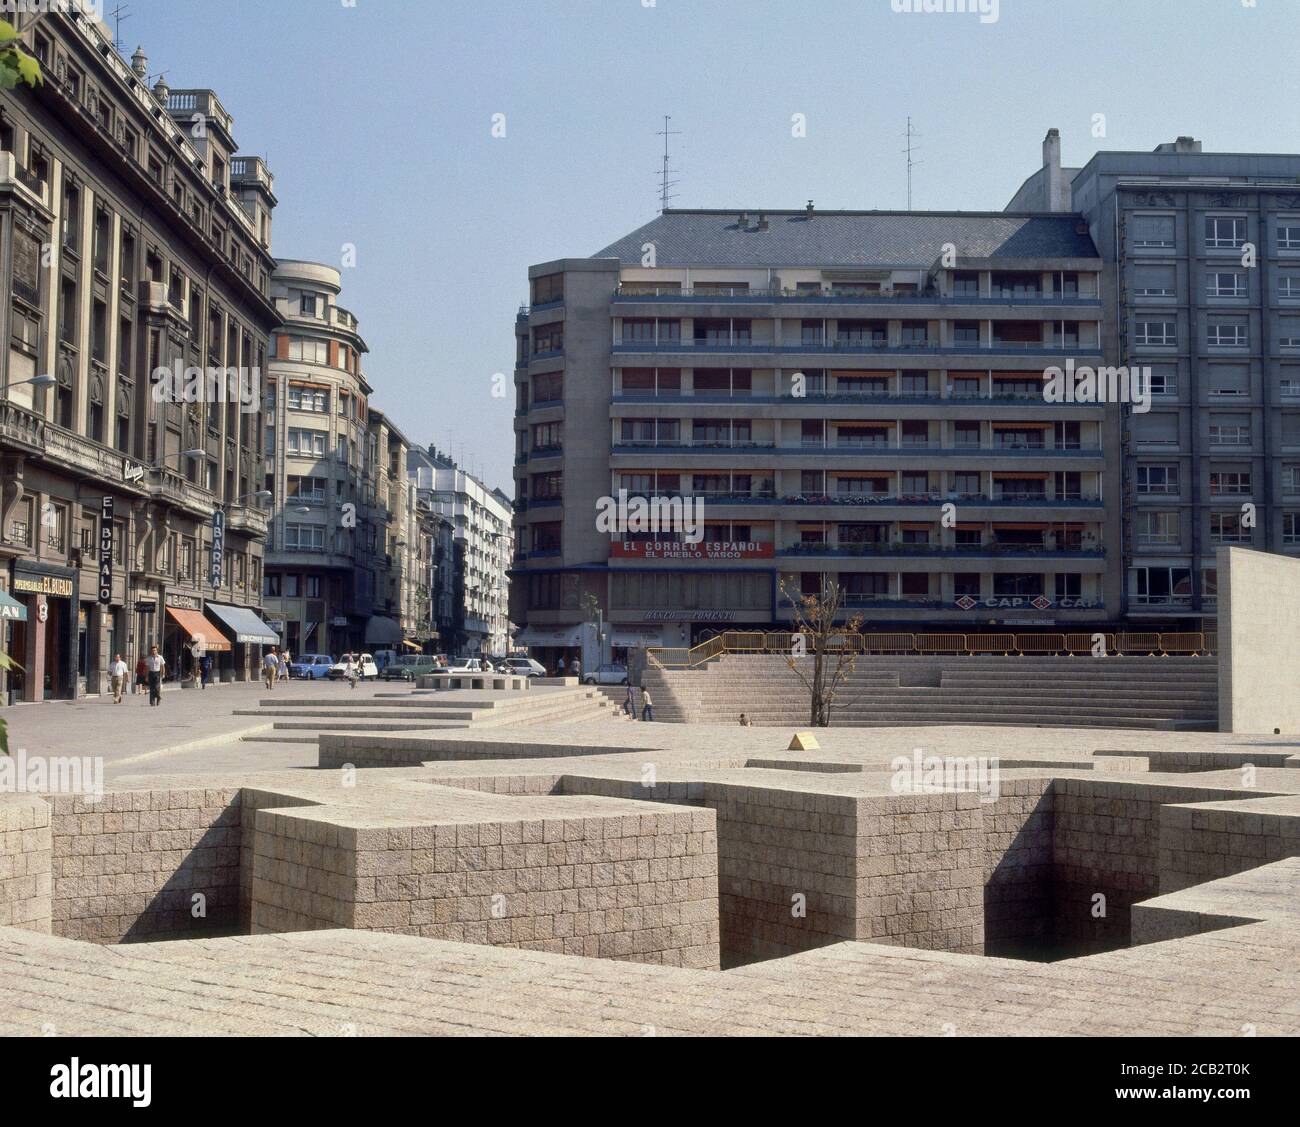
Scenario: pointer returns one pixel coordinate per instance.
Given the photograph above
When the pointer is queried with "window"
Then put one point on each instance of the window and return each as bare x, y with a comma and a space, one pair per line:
307, 442
965, 283
312, 351
965, 434
1154, 281
103, 243
1226, 283
1291, 479
1291, 528
1229, 434
1225, 232
1157, 586
547, 436
1162, 381
1157, 333
1069, 586
1152, 231
304, 538
71, 216
1288, 285
966, 332
1288, 235
1227, 528
548, 339
1231, 482
307, 304
1226, 334
309, 399
1158, 528
307, 488
967, 484
1011, 586
1157, 479
54, 519
548, 288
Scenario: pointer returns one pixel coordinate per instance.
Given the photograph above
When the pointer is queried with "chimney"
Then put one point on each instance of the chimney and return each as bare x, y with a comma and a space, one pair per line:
161, 90
809, 211
763, 224
1187, 145
140, 63
1052, 171
743, 221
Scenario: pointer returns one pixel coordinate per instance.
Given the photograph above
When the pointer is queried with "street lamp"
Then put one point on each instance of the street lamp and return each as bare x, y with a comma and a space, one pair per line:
42, 381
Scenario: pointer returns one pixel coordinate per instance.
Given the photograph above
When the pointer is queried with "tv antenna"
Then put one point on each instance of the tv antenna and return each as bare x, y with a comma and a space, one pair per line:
665, 184
911, 135
119, 17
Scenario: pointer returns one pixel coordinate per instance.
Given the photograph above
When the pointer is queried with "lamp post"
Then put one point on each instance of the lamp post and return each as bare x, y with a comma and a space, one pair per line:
42, 381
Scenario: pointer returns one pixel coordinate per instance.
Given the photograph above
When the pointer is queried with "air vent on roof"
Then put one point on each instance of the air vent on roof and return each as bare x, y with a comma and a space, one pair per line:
810, 211
743, 221
763, 224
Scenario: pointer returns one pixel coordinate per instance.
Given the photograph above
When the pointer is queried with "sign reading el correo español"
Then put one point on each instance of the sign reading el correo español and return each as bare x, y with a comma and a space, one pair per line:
704, 550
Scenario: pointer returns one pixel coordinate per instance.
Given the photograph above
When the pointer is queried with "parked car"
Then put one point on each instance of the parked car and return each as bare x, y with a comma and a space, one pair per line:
407, 667
385, 658
369, 671
523, 667
607, 675
311, 667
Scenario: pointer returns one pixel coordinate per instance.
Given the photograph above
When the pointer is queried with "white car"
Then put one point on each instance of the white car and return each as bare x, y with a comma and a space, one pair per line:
607, 675
523, 667
365, 663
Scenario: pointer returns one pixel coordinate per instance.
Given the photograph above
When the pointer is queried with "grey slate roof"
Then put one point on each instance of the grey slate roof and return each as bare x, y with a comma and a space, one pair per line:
849, 238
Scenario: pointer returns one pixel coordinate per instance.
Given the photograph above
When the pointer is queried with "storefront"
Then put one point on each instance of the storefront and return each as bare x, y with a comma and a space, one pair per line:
12, 613
187, 635
46, 642
248, 633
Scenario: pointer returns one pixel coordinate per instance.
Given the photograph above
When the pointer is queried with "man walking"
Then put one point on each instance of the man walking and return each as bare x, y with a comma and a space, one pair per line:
205, 669
117, 677
647, 706
156, 667
270, 667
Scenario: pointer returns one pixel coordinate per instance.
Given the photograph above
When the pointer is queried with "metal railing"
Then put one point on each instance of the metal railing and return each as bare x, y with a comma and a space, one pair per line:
944, 645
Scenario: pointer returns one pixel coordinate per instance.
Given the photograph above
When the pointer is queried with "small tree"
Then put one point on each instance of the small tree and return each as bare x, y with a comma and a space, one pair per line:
15, 64
814, 633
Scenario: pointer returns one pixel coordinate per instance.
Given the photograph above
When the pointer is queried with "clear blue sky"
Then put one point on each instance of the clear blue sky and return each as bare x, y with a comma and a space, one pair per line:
376, 119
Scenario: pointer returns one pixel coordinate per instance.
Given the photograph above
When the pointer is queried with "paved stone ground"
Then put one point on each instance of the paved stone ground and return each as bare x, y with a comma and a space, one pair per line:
1218, 957
346, 983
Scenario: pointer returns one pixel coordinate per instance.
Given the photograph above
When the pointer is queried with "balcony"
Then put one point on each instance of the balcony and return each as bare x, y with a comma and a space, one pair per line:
863, 348
665, 296
951, 551
246, 519
849, 398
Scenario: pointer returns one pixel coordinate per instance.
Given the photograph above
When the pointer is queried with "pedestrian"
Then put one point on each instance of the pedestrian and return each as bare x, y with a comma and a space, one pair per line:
141, 675
559, 667
484, 665
629, 705
284, 666
576, 671
647, 706
205, 669
117, 672
350, 672
270, 667
155, 667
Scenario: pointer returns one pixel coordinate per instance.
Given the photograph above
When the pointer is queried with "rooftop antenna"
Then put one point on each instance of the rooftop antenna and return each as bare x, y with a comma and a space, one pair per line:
665, 184
119, 17
910, 135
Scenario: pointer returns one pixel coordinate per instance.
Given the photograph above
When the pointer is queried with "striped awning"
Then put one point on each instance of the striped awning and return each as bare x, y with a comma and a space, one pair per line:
11, 610
199, 629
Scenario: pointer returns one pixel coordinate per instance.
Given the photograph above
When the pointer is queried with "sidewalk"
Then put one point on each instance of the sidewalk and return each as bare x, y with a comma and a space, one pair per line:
191, 729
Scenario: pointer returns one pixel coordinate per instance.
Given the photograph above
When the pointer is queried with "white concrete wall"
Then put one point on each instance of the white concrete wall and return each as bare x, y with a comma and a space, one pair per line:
1259, 642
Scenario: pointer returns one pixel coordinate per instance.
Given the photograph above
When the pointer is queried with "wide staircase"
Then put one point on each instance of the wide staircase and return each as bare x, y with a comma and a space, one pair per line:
302, 720
1109, 692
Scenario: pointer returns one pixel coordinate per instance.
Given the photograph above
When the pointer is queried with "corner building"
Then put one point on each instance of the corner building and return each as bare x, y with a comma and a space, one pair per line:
827, 384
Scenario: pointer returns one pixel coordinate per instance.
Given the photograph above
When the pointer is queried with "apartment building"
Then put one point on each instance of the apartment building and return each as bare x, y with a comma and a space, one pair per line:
350, 550
475, 578
852, 396
135, 243
1202, 284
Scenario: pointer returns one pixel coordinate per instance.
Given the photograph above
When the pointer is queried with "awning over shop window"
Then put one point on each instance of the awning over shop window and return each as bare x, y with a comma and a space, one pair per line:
552, 636
410, 645
199, 629
11, 610
382, 631
244, 624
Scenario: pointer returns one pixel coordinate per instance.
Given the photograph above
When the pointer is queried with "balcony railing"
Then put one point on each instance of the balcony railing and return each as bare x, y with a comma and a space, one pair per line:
1036, 348
896, 549
666, 295
873, 451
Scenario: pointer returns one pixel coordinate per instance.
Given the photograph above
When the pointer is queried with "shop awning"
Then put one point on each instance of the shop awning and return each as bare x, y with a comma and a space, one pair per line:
549, 636
199, 629
382, 631
245, 625
410, 645
11, 610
